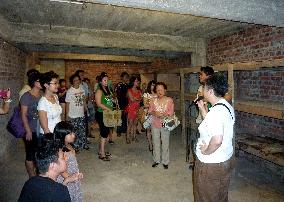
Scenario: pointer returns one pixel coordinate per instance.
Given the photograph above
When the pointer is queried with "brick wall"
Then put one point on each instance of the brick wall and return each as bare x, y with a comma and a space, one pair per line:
262, 85
255, 43
12, 71
94, 68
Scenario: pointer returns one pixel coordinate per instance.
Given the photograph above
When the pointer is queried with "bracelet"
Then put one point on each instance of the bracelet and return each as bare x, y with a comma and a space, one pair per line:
8, 101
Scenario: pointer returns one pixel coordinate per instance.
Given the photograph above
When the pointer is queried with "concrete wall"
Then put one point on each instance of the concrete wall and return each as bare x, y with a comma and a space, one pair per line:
57, 66
12, 73
256, 43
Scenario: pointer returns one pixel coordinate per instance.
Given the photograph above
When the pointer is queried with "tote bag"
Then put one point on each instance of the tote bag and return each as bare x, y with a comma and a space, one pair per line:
112, 118
15, 125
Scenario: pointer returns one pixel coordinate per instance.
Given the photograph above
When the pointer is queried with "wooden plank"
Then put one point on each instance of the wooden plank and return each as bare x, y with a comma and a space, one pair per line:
182, 105
261, 108
76, 56
256, 65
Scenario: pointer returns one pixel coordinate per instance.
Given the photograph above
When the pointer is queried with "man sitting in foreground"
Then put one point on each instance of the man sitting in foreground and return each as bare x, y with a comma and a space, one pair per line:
44, 188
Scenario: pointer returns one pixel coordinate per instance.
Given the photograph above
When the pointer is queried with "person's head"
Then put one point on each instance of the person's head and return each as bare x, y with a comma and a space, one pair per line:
62, 83
98, 78
151, 86
49, 157
215, 86
205, 73
30, 71
75, 80
34, 80
80, 73
103, 79
160, 89
49, 82
87, 81
135, 81
64, 131
124, 77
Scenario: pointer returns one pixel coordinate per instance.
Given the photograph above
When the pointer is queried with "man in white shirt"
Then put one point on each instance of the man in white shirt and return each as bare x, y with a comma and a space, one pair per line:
214, 149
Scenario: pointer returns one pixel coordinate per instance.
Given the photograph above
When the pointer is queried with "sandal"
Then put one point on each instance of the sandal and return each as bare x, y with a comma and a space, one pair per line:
128, 141
106, 153
104, 158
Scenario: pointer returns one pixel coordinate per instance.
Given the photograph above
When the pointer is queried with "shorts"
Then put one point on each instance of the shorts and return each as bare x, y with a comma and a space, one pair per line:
31, 147
104, 131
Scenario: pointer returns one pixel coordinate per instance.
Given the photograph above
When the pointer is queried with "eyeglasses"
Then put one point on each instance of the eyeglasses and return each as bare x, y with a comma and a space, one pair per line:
56, 83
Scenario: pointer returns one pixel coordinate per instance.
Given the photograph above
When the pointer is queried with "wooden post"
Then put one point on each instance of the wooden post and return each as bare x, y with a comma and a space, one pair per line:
182, 105
231, 82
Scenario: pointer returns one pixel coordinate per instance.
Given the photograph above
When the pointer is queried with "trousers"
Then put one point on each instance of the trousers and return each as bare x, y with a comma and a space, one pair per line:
160, 140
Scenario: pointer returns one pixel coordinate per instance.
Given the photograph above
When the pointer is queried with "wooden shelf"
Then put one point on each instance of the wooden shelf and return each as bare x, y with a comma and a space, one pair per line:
261, 108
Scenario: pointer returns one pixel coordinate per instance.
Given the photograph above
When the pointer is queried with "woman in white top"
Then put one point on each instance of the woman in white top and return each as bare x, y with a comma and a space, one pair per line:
75, 110
49, 109
150, 93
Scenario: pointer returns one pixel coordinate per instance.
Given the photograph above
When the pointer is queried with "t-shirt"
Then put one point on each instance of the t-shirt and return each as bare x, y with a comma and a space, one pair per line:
76, 99
43, 189
53, 112
31, 102
218, 121
85, 87
25, 89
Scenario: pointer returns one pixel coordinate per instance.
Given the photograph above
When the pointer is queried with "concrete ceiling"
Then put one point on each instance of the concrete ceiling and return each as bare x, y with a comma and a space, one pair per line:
113, 27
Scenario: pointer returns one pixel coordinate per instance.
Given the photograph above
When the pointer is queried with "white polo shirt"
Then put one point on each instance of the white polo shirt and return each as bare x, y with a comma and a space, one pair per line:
218, 121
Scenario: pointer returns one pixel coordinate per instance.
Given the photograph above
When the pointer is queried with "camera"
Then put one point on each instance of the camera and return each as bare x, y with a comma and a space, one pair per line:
3, 93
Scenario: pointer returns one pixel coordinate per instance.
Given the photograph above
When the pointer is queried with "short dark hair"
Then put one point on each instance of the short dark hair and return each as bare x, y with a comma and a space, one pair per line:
218, 83
124, 74
33, 77
102, 75
86, 79
46, 78
132, 80
61, 130
207, 70
160, 84
72, 77
46, 153
79, 71
150, 85
61, 81
30, 71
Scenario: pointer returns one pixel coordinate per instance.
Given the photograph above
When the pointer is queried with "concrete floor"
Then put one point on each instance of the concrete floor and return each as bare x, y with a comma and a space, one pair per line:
130, 177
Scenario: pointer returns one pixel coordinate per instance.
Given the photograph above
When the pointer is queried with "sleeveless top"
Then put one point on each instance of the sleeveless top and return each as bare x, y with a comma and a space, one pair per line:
106, 100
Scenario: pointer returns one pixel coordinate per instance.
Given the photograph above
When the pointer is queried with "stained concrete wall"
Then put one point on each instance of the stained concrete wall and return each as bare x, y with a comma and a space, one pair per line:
12, 73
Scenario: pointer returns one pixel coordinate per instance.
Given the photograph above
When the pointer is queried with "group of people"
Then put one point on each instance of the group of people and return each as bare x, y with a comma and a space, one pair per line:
131, 99
51, 143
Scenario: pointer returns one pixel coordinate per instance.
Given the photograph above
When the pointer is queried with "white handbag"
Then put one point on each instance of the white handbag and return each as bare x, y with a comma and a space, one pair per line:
170, 122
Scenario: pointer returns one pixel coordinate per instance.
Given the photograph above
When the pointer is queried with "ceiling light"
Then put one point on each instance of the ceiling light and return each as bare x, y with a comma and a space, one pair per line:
66, 1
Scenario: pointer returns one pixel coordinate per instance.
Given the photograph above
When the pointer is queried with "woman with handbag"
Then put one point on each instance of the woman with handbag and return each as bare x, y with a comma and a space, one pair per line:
147, 97
49, 109
160, 107
29, 101
134, 95
103, 97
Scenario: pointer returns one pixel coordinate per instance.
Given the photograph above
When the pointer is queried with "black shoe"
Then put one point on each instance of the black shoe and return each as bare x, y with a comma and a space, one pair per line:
191, 166
118, 134
86, 147
155, 165
111, 142
166, 166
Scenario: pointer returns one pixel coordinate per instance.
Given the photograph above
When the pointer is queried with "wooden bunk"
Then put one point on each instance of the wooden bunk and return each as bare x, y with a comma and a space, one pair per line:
253, 107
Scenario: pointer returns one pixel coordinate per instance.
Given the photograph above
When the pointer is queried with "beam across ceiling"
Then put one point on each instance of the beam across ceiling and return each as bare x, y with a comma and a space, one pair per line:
44, 34
265, 12
75, 56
